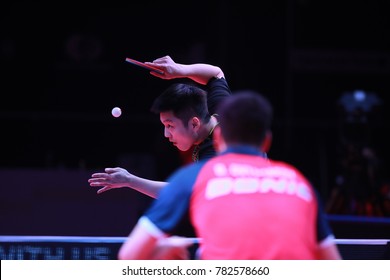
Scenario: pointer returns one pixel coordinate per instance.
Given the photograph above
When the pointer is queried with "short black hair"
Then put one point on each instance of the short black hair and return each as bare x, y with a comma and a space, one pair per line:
245, 118
184, 100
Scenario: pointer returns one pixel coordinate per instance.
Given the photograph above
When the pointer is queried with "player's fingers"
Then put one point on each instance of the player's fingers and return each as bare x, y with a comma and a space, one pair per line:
110, 170
104, 189
159, 60
100, 175
98, 179
98, 182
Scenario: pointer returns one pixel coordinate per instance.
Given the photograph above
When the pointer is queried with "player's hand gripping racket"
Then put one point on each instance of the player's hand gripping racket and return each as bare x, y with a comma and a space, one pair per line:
145, 66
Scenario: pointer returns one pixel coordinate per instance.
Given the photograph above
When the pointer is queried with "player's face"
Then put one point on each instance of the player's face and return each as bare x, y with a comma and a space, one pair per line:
177, 133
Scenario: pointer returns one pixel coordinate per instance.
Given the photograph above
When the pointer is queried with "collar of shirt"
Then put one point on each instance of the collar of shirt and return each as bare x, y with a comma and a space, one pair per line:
244, 149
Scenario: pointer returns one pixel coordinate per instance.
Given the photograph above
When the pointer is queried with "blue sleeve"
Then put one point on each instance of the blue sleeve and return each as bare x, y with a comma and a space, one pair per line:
170, 211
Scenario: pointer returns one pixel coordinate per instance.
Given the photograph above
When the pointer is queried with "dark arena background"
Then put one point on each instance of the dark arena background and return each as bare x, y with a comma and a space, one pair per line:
325, 66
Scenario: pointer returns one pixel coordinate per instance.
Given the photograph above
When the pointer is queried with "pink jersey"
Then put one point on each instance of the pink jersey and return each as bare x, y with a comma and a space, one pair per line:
249, 207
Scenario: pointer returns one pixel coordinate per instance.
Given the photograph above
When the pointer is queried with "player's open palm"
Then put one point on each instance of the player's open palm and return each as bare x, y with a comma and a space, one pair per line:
112, 178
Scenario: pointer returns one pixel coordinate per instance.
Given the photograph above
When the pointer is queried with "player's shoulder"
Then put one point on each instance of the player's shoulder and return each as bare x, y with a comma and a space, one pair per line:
287, 167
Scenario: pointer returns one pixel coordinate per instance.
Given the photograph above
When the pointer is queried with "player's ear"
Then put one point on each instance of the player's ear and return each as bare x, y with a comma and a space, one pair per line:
266, 145
194, 123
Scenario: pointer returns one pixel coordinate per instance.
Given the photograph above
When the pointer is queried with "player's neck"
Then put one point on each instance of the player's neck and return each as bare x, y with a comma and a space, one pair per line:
207, 130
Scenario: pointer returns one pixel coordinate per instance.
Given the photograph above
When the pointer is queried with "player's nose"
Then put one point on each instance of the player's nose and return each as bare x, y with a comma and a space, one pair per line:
166, 133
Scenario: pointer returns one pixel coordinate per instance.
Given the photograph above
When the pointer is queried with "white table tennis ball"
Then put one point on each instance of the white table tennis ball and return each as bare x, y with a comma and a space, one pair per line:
116, 112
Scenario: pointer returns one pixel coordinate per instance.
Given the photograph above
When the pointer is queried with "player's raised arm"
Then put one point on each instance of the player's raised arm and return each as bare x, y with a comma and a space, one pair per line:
198, 72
